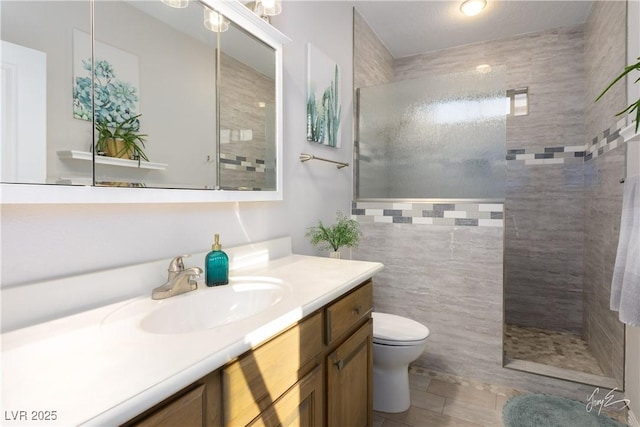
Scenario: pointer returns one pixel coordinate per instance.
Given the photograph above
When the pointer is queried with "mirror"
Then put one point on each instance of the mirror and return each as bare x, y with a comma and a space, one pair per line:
197, 107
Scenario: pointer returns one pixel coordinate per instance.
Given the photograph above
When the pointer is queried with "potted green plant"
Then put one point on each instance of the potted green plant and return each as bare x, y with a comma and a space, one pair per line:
122, 140
634, 106
344, 233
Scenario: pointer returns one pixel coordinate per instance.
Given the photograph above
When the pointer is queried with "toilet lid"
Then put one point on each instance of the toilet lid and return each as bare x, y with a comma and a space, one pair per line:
397, 330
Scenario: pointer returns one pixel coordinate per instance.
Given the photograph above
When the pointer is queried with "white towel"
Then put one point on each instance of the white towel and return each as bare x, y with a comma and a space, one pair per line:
625, 286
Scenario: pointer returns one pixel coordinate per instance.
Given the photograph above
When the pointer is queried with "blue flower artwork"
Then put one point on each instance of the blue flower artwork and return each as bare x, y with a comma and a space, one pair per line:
116, 97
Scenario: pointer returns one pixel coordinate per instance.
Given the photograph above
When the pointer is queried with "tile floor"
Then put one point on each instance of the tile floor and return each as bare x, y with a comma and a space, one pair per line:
442, 400
439, 400
559, 349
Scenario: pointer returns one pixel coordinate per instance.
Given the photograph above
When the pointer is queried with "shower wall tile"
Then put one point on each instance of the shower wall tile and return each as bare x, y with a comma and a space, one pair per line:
605, 58
373, 64
544, 216
603, 210
450, 279
549, 63
544, 208
242, 157
453, 281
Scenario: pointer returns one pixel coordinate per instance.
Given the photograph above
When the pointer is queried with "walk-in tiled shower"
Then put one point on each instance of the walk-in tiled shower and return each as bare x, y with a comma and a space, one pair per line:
492, 253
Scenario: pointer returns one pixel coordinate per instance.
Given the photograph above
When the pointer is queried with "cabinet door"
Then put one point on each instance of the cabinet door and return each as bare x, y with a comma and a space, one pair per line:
200, 406
300, 406
350, 380
252, 383
185, 411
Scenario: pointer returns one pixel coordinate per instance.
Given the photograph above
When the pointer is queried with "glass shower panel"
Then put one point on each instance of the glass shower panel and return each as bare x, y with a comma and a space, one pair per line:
436, 137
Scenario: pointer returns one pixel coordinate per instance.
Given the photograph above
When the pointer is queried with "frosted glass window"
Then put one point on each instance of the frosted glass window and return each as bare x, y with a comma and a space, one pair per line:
439, 136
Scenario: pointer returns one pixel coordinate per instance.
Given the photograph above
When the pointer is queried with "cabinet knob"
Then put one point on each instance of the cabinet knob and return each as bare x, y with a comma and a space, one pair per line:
339, 364
356, 310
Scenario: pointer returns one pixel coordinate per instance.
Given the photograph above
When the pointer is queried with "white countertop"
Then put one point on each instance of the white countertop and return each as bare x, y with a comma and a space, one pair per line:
96, 372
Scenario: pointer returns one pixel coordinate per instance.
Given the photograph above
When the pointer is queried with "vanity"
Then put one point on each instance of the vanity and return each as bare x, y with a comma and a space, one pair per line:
298, 350
289, 338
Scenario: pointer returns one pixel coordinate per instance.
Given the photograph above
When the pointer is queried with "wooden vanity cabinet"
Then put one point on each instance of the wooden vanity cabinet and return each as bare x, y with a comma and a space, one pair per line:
258, 378
319, 372
198, 405
349, 360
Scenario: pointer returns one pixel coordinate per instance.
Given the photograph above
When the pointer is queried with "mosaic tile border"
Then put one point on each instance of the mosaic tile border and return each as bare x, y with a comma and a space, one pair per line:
242, 163
550, 156
608, 140
424, 213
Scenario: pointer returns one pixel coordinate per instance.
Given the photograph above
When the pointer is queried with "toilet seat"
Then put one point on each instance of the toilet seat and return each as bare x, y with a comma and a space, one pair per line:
392, 330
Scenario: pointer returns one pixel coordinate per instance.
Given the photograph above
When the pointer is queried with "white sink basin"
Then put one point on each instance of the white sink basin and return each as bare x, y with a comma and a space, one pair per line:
205, 308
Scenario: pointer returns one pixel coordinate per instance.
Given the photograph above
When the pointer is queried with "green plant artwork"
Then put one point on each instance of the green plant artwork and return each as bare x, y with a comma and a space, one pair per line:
324, 111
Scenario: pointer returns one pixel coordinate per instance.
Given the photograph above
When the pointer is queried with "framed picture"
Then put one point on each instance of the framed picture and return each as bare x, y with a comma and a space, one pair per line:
324, 111
116, 81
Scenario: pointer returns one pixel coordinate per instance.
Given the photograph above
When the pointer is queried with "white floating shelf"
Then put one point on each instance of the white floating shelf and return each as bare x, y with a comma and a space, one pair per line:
75, 181
112, 161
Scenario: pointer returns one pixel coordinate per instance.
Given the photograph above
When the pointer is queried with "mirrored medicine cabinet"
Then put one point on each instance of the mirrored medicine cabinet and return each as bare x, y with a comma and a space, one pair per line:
139, 101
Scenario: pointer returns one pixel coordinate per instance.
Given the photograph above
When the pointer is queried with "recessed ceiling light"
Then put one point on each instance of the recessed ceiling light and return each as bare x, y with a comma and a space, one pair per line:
472, 7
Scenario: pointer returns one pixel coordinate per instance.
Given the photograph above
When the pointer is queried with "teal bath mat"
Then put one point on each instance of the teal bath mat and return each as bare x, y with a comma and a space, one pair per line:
542, 410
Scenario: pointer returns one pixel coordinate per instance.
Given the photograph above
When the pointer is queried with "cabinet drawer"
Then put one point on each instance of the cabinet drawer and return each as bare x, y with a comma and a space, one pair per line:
252, 383
346, 313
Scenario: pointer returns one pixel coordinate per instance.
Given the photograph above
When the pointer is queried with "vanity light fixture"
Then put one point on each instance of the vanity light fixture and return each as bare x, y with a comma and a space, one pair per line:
178, 4
268, 7
472, 7
265, 9
214, 21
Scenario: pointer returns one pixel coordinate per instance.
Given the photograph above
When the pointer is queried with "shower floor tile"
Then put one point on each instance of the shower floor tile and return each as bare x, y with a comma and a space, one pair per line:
559, 349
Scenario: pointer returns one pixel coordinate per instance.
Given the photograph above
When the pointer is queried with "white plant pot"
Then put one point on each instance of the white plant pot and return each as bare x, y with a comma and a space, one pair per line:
335, 254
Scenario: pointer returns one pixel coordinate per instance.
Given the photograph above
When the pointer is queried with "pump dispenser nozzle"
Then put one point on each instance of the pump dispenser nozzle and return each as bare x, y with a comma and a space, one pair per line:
216, 243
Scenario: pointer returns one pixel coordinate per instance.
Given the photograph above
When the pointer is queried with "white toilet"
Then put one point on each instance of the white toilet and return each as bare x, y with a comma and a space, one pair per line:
397, 341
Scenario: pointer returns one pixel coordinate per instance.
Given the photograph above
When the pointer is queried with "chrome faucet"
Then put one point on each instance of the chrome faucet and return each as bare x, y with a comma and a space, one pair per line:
180, 280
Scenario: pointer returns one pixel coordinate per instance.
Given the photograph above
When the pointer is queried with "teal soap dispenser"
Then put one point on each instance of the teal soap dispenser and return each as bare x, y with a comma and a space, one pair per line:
216, 265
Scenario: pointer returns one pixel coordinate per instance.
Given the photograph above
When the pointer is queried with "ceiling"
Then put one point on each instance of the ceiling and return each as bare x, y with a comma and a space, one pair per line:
413, 27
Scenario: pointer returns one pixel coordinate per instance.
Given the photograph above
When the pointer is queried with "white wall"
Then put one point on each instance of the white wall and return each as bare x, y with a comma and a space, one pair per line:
47, 241
315, 190
632, 354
